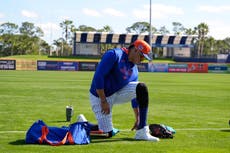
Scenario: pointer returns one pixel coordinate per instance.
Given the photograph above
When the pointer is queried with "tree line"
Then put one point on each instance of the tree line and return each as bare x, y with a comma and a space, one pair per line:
27, 38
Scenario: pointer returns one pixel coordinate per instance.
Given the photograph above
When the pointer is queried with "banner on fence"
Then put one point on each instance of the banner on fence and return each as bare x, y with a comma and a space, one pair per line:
7, 64
177, 67
217, 68
198, 67
158, 67
142, 67
87, 66
68, 66
47, 65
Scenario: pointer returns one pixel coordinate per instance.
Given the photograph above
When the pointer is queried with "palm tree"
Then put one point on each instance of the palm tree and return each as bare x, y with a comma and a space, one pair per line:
202, 30
59, 46
190, 31
105, 47
67, 26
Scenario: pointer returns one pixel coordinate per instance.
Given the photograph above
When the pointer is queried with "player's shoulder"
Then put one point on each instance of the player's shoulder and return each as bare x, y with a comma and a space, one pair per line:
116, 52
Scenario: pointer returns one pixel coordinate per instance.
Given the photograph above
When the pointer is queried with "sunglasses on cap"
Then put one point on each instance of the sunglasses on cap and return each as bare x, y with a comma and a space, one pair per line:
142, 55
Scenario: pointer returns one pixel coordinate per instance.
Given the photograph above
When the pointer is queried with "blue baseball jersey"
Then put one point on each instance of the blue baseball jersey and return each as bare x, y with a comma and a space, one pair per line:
113, 72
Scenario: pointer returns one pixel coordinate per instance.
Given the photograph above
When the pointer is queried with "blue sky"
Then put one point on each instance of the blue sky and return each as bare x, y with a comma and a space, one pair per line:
118, 14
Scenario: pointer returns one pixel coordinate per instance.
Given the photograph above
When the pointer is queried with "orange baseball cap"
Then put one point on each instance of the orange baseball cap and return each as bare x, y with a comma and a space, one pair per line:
144, 47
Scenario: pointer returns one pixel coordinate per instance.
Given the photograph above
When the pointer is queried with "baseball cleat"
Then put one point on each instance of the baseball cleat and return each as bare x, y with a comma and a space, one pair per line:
143, 134
115, 131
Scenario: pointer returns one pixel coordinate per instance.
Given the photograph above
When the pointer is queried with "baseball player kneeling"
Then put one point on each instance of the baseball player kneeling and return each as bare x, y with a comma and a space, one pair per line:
115, 82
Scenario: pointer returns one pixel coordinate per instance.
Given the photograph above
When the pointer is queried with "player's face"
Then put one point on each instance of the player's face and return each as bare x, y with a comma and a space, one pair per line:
136, 56
140, 57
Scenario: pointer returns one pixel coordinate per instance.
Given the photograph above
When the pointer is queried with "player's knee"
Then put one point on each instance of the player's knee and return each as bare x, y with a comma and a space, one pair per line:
142, 95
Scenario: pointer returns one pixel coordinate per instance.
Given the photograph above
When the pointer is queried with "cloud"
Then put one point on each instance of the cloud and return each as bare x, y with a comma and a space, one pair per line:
49, 27
106, 11
113, 12
214, 9
51, 31
29, 14
219, 29
62, 18
2, 15
91, 12
159, 11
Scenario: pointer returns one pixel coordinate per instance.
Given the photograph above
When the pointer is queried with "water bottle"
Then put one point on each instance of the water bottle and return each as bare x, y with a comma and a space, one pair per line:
69, 113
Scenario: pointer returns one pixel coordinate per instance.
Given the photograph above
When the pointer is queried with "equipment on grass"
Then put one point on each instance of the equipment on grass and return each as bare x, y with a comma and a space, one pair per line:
161, 131
94, 130
69, 113
40, 133
81, 118
100, 133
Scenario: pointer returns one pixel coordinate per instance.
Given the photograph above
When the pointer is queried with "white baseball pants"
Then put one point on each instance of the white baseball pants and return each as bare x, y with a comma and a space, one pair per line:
126, 94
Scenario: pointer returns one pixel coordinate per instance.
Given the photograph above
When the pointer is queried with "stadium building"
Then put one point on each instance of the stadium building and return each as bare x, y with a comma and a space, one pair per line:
90, 43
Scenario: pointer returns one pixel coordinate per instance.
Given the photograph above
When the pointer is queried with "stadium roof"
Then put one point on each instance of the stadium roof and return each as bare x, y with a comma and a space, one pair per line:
112, 38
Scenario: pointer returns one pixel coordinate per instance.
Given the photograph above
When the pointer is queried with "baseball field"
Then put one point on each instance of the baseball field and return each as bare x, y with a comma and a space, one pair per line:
197, 106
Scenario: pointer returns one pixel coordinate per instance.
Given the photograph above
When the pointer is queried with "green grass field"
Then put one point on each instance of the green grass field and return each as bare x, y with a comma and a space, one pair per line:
197, 106
71, 58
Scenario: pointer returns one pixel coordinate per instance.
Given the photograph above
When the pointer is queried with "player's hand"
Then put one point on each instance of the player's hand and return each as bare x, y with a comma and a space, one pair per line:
105, 109
135, 126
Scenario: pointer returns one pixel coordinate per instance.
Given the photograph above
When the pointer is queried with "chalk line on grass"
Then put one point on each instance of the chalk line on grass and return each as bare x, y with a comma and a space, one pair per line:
127, 130
192, 129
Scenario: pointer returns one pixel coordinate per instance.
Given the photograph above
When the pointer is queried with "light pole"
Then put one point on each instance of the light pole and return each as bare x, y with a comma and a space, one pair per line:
150, 28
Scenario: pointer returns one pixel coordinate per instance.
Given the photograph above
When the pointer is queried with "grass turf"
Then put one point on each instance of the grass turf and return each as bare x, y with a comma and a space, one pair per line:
196, 105
72, 58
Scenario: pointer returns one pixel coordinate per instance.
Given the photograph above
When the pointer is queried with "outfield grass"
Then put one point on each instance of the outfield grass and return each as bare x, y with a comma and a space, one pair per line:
45, 57
71, 58
196, 105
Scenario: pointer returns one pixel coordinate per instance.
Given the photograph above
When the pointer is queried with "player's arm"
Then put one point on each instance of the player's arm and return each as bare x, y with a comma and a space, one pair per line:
104, 104
103, 69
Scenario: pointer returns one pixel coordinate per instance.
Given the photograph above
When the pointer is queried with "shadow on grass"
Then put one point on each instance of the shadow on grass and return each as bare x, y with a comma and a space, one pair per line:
64, 121
94, 140
18, 142
109, 140
225, 130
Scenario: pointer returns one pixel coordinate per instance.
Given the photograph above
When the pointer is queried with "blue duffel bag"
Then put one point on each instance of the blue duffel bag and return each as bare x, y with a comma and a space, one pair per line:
76, 133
